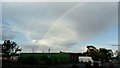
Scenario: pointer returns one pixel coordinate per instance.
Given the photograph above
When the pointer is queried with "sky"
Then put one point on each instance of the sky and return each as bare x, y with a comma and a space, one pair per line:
60, 0
60, 26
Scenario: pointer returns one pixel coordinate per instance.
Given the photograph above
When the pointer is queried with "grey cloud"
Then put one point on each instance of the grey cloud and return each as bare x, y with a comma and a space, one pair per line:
35, 18
37, 48
69, 43
7, 36
36, 10
7, 31
60, 23
40, 48
92, 18
84, 21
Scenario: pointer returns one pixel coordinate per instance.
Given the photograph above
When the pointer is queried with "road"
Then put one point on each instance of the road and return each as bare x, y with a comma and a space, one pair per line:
81, 65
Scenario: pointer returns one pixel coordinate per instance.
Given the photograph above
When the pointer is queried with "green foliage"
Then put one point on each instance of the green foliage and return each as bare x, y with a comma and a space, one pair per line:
105, 54
29, 60
10, 47
102, 54
9, 51
117, 53
47, 58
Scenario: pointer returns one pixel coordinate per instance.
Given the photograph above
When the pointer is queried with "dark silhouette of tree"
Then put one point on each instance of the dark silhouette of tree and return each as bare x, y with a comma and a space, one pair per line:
117, 53
93, 52
10, 49
91, 47
105, 54
102, 54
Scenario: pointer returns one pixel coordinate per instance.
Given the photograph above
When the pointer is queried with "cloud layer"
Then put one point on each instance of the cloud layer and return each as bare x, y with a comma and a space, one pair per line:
57, 24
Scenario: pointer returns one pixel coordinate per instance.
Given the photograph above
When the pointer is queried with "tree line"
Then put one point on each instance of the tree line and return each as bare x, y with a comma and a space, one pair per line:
101, 54
11, 49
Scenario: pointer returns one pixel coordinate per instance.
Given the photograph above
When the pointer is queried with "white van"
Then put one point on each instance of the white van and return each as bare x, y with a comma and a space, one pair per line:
85, 59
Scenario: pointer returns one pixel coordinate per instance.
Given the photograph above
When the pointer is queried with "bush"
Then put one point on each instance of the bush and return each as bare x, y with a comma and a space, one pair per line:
29, 60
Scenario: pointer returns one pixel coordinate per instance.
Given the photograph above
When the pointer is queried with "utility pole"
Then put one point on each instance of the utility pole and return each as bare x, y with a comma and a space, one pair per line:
48, 50
49, 53
33, 50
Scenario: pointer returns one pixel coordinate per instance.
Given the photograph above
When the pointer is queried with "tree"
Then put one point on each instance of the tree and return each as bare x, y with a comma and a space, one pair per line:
93, 52
117, 53
91, 49
102, 54
105, 54
9, 49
